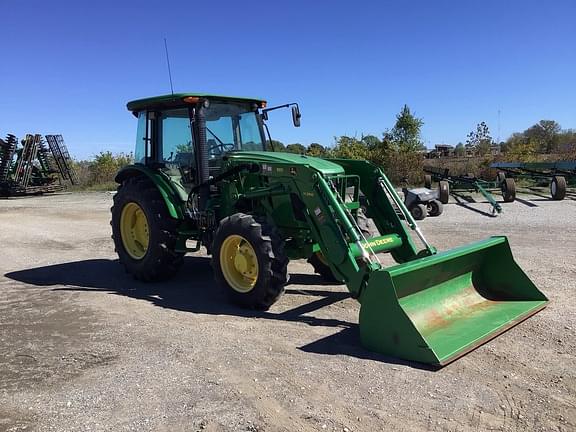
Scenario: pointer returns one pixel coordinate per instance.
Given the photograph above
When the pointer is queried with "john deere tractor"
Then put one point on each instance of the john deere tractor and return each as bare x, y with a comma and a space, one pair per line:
205, 175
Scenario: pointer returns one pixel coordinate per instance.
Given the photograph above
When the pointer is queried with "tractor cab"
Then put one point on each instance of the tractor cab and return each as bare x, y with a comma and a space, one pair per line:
187, 135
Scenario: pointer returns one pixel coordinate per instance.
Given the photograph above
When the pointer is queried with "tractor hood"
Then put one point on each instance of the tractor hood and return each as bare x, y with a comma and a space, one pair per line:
321, 165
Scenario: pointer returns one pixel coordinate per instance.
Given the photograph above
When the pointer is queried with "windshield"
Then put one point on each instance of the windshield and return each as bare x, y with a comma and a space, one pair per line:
231, 126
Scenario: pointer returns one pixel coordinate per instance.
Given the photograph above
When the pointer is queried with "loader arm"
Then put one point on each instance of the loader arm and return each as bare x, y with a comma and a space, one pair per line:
349, 255
383, 202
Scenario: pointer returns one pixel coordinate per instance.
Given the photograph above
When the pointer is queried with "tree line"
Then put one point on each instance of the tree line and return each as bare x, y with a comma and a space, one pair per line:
403, 143
545, 137
399, 150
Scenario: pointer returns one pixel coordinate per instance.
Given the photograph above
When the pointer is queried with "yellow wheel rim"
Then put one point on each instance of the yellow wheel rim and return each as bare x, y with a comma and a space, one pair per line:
239, 263
134, 230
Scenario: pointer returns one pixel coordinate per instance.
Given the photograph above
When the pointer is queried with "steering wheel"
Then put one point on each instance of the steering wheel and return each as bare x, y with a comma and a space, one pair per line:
224, 147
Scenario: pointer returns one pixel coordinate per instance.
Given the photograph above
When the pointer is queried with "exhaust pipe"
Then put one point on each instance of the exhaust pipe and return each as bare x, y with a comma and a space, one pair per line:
202, 153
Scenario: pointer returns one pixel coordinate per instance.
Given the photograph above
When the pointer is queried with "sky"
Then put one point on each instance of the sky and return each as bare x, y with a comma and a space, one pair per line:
70, 67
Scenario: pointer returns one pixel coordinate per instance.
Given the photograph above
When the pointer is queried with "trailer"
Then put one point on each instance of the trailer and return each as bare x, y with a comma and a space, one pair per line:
558, 174
448, 184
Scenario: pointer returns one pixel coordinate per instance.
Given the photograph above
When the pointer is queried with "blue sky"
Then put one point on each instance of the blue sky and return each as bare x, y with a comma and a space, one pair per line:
70, 67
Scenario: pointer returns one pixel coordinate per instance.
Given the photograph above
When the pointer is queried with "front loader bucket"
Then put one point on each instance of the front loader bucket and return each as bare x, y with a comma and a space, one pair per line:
436, 309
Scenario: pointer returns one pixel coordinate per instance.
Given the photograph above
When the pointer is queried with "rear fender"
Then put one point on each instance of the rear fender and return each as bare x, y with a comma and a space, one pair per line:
173, 198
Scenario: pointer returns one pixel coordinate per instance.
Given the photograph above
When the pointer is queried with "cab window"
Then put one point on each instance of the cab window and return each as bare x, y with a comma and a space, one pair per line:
175, 138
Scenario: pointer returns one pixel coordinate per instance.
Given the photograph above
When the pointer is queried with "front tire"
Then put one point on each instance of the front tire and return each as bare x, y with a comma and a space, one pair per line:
143, 231
249, 261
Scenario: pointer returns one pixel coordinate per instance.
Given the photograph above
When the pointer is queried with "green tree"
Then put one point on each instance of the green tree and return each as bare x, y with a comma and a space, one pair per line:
105, 165
184, 148
545, 135
520, 148
316, 149
277, 146
567, 144
480, 139
296, 148
405, 135
460, 150
350, 148
371, 141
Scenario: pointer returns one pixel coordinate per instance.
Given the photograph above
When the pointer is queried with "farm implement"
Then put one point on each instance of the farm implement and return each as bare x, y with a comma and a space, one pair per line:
34, 168
204, 173
557, 174
453, 184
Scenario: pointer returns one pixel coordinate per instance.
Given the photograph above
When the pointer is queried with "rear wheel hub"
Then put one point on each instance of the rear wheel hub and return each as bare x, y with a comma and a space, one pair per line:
134, 230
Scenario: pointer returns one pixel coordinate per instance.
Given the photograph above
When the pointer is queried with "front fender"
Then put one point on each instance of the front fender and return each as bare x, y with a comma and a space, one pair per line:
173, 198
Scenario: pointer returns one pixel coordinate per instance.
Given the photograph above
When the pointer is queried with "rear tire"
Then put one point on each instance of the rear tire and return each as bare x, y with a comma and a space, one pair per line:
253, 271
558, 188
444, 191
508, 188
151, 257
435, 208
419, 211
428, 181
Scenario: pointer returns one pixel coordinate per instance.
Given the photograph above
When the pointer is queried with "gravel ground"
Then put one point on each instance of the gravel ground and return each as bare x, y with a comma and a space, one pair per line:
83, 347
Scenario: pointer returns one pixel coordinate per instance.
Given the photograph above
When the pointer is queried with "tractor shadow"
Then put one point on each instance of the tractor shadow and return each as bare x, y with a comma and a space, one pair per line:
193, 290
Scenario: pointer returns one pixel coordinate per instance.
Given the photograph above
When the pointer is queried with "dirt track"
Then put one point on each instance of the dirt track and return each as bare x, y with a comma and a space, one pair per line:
85, 347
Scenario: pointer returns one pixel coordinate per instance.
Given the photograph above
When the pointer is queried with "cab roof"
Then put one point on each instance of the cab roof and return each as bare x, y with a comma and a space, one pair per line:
178, 99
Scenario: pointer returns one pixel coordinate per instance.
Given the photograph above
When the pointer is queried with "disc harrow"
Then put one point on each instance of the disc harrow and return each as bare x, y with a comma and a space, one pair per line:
35, 168
7, 150
62, 158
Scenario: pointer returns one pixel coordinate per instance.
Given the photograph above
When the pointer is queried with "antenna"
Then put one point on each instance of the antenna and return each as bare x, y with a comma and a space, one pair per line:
498, 139
168, 62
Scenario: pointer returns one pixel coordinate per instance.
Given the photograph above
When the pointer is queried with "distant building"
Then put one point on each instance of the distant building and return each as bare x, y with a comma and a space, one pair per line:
441, 151
495, 149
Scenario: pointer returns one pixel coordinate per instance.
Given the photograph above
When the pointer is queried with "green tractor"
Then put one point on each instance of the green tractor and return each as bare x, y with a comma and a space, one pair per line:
205, 175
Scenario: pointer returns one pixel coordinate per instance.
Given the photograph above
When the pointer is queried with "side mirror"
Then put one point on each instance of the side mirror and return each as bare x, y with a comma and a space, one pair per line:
296, 115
